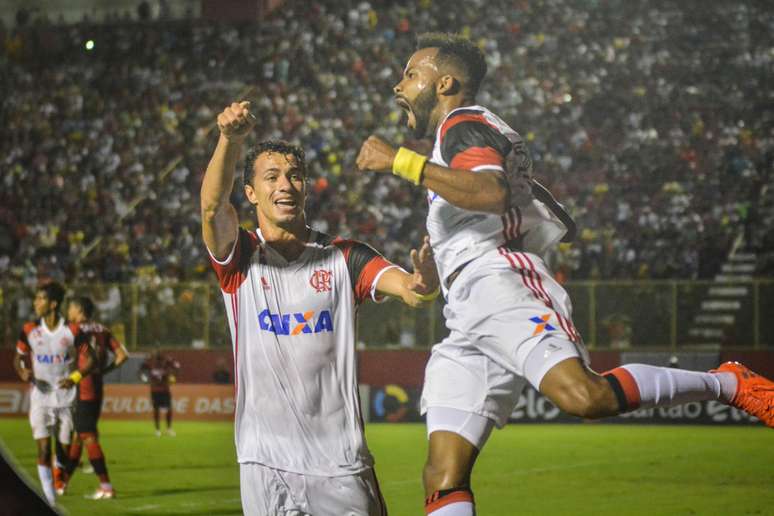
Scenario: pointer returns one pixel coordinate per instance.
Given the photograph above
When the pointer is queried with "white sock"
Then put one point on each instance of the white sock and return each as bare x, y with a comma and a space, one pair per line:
107, 486
47, 481
455, 509
664, 386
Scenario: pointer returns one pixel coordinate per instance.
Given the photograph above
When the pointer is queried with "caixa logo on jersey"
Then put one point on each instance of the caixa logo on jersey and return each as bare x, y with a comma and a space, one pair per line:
296, 323
50, 359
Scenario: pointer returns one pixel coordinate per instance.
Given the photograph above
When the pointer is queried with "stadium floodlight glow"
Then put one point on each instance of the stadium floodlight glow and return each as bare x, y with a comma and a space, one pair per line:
89, 44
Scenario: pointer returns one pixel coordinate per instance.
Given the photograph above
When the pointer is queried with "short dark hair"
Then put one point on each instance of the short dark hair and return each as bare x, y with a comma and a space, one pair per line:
461, 53
86, 304
278, 146
54, 292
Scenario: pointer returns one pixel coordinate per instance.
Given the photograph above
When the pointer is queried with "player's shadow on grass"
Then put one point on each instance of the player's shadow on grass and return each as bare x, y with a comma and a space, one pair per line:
144, 469
179, 490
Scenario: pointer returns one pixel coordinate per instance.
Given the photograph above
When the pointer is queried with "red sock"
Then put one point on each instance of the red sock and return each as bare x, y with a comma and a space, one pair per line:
76, 449
97, 460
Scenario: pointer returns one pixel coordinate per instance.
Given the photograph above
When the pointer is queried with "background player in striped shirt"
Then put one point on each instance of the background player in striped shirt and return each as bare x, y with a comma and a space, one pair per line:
510, 321
291, 297
160, 372
46, 356
88, 404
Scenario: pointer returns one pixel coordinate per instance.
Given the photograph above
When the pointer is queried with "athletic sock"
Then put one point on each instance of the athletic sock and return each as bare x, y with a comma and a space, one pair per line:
76, 449
97, 460
645, 386
451, 502
47, 481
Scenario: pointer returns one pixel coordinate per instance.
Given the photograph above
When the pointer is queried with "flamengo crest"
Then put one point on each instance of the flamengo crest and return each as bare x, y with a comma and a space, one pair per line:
321, 280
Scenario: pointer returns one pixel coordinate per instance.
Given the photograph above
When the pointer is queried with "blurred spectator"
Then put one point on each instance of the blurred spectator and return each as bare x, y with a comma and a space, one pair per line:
647, 119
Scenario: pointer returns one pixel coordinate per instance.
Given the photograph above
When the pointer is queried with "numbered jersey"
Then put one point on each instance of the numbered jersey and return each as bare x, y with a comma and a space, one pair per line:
473, 138
52, 353
293, 332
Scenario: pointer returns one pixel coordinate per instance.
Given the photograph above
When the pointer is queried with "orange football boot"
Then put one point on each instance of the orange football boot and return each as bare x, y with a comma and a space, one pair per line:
754, 393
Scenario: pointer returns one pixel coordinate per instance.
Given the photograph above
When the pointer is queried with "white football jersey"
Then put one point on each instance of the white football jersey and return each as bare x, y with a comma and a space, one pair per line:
52, 352
473, 138
293, 333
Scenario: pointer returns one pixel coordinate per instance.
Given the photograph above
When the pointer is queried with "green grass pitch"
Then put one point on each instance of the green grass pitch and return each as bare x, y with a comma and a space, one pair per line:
525, 469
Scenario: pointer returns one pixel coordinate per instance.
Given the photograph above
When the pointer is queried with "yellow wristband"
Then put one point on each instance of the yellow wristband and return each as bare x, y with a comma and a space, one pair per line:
76, 376
409, 165
428, 297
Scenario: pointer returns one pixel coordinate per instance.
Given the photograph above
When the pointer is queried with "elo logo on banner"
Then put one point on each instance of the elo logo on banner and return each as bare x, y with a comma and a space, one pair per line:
297, 323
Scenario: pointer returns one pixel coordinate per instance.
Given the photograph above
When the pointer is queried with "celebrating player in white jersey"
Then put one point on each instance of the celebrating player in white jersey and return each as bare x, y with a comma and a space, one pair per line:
291, 297
46, 356
510, 321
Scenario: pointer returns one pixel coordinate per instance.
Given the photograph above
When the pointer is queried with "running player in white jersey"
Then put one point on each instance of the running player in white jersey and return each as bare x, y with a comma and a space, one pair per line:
291, 298
46, 356
510, 321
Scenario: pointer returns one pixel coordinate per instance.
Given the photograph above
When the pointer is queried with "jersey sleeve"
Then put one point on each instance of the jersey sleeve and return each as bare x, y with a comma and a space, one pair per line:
23, 344
365, 266
232, 271
470, 142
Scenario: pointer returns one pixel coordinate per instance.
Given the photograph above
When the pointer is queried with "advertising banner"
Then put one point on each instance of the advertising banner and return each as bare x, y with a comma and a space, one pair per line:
390, 403
190, 402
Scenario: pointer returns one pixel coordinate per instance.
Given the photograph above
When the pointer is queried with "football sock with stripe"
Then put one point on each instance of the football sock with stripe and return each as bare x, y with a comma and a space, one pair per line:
47, 481
645, 386
457, 501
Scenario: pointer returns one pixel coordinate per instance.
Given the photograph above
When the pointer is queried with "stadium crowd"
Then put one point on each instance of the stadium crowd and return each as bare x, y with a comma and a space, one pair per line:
649, 120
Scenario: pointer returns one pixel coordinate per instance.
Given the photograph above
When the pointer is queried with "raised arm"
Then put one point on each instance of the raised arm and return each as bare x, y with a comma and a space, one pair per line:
219, 217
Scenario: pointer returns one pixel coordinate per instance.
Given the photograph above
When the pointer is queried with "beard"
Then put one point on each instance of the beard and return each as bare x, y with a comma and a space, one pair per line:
423, 107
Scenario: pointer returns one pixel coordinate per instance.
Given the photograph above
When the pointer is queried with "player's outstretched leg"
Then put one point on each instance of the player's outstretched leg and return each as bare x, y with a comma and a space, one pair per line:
754, 394
577, 390
97, 459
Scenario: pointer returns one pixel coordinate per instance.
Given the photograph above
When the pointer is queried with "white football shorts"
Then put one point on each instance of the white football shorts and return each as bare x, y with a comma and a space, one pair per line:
499, 309
272, 492
43, 419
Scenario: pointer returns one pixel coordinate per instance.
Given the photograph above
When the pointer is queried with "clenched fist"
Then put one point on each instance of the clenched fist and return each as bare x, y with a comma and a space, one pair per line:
376, 155
236, 121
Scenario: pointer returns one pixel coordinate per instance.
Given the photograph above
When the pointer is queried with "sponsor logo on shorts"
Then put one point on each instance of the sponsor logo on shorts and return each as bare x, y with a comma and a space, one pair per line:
296, 323
542, 324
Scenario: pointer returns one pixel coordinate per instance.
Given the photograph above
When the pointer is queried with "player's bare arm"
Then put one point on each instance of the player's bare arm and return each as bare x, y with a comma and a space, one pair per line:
484, 190
418, 288
219, 217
